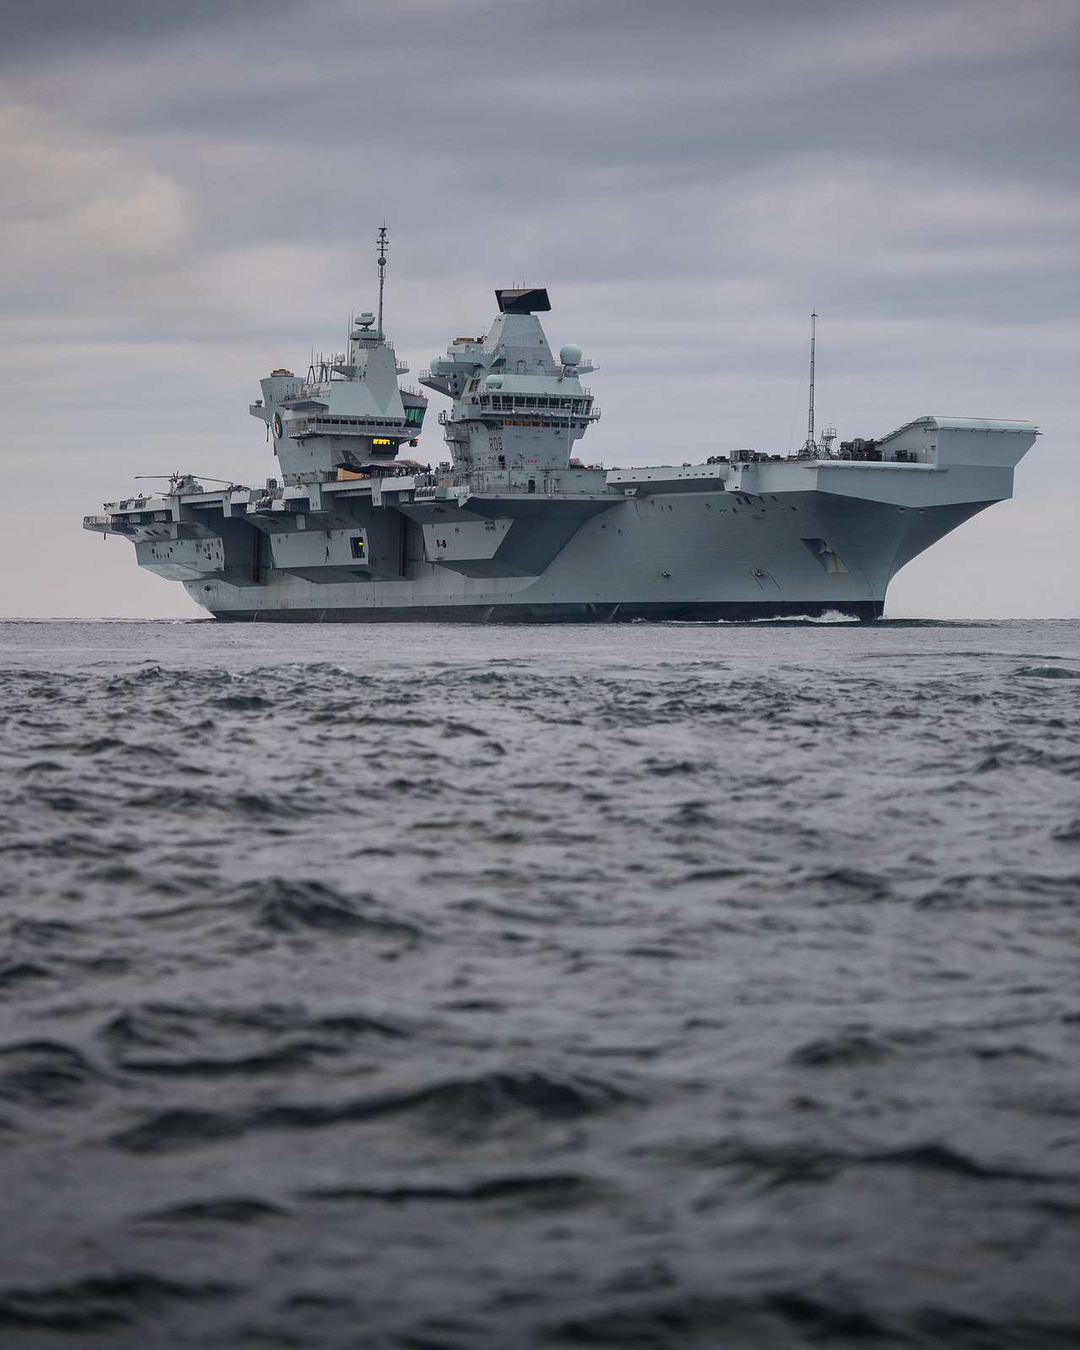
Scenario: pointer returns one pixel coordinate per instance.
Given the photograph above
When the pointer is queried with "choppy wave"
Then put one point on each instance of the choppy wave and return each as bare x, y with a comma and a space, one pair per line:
675, 985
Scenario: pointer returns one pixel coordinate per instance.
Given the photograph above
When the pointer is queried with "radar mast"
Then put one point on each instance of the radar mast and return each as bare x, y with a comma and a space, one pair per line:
810, 445
383, 244
810, 449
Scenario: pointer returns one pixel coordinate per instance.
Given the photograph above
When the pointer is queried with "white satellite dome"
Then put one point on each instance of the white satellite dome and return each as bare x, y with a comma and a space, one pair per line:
570, 354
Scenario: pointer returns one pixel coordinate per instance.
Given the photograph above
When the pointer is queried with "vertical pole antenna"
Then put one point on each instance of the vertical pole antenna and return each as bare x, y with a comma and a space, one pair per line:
382, 243
813, 349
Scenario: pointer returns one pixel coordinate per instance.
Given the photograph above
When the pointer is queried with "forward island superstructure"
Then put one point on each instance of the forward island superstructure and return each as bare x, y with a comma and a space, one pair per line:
513, 527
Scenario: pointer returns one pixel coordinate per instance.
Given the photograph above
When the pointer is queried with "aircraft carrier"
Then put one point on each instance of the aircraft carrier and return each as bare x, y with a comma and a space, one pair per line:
514, 527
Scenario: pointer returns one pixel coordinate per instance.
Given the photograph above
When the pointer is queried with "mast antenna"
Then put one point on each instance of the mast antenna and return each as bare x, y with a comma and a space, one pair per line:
813, 352
382, 243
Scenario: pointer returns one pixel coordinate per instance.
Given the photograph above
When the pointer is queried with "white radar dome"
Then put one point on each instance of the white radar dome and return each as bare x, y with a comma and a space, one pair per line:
366, 319
570, 354
493, 382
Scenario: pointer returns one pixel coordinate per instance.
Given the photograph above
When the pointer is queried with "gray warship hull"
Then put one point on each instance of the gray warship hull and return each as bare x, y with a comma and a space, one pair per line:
514, 528
691, 555
758, 539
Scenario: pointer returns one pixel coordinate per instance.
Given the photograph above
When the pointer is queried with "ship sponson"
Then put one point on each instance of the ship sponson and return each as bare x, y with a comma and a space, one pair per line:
357, 527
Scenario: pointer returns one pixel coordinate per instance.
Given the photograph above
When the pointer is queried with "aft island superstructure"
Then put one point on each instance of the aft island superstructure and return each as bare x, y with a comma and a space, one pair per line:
513, 527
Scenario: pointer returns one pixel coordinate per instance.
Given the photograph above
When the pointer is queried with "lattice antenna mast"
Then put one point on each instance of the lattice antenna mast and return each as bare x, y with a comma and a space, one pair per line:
383, 245
813, 352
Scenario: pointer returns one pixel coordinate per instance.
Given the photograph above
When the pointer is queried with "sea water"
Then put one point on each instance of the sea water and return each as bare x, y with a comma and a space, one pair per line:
451, 987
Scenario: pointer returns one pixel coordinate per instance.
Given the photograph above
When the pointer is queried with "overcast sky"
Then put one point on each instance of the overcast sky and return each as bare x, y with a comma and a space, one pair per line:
189, 195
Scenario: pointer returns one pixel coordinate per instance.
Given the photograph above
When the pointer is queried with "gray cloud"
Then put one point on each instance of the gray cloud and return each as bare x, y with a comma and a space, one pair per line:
29, 32
190, 198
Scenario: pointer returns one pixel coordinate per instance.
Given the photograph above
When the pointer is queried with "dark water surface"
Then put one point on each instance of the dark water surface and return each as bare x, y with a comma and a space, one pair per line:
690, 986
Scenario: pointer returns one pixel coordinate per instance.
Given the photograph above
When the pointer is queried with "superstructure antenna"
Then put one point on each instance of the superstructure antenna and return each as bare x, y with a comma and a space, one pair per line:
383, 244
